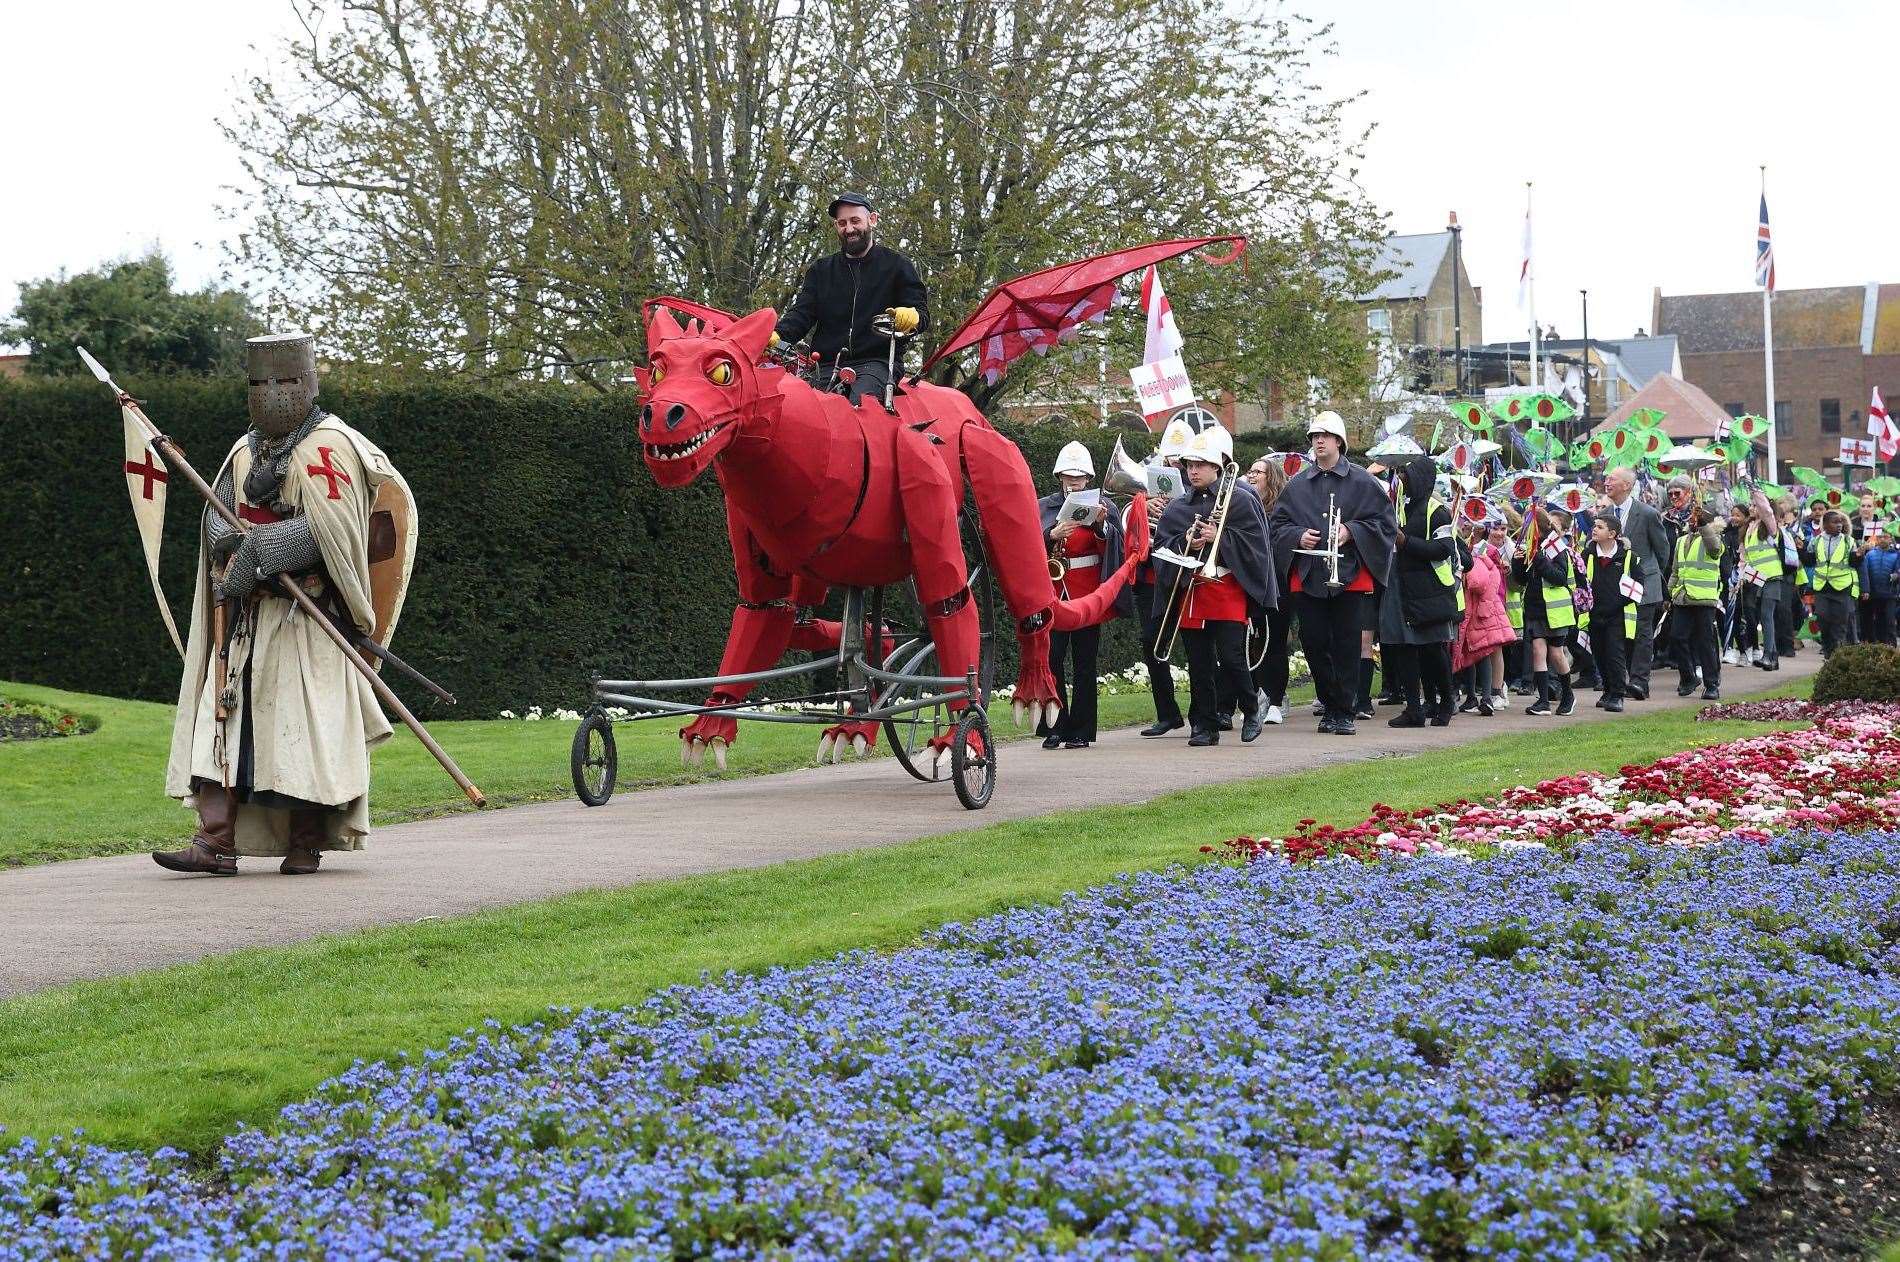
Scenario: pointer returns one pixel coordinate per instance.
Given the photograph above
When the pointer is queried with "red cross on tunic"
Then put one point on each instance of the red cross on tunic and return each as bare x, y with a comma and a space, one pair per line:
150, 470
328, 471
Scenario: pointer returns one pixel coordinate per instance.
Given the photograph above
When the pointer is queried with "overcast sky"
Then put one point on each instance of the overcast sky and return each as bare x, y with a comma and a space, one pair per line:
1642, 125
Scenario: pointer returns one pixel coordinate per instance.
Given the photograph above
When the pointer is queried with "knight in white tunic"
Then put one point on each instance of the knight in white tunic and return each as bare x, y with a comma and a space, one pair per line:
285, 770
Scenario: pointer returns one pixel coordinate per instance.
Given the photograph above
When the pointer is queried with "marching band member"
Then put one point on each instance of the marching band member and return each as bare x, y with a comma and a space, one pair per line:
1423, 600
1174, 440
1086, 551
1542, 570
1214, 616
1332, 618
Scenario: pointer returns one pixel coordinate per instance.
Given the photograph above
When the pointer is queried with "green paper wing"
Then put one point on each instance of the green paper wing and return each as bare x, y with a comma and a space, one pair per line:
1883, 486
1809, 477
1645, 418
1473, 417
1548, 409
1542, 443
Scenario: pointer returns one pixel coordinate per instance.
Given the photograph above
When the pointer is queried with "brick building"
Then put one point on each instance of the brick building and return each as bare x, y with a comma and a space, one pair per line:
1832, 347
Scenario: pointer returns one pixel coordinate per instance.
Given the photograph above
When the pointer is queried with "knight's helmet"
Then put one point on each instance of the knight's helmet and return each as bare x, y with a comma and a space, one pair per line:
283, 373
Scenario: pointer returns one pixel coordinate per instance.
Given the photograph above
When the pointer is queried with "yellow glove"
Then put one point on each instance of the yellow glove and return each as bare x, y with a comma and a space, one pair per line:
773, 342
905, 318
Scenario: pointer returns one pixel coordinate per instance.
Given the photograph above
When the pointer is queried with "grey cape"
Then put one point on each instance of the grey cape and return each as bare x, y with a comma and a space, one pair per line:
1364, 508
1244, 548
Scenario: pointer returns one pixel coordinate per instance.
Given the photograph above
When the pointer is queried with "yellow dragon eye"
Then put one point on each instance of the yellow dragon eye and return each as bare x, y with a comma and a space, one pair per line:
655, 375
720, 373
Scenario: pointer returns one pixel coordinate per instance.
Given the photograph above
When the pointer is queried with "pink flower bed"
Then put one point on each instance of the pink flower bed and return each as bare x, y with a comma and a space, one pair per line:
1843, 773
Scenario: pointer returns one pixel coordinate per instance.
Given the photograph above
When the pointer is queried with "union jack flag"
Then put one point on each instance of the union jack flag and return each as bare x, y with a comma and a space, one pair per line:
1764, 251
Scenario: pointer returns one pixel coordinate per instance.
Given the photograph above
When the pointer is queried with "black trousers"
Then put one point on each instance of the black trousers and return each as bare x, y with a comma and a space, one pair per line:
1217, 667
1160, 674
1072, 658
872, 376
1612, 652
1270, 677
1643, 649
1421, 673
1329, 636
1785, 615
1835, 611
1696, 633
1882, 607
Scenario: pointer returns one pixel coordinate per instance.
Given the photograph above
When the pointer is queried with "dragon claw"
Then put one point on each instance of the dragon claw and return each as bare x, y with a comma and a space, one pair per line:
825, 743
1018, 712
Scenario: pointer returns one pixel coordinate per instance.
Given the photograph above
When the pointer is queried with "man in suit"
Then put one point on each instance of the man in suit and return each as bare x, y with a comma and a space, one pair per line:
1642, 527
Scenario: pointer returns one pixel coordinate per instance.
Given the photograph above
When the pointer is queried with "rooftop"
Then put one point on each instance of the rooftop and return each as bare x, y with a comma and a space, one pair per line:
1415, 260
1866, 316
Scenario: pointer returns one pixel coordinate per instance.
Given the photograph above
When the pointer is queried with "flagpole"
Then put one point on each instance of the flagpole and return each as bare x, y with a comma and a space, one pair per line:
1530, 282
1768, 350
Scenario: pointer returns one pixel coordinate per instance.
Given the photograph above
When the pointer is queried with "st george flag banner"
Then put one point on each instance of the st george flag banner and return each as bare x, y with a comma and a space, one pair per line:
1164, 337
1858, 451
1883, 428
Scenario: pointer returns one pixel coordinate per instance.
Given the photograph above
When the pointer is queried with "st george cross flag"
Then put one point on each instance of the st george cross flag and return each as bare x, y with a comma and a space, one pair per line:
145, 479
1764, 251
1164, 337
1876, 415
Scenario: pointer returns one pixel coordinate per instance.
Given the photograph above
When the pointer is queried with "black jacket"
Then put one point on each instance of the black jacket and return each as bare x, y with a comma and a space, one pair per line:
1424, 599
840, 296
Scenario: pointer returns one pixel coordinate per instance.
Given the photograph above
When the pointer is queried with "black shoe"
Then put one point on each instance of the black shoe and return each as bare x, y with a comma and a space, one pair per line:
1469, 705
1540, 707
1636, 694
1326, 725
1613, 704
1363, 712
1775, 665
1161, 727
1345, 727
1523, 690
1712, 694
1485, 708
1684, 690
1408, 717
1051, 742
1202, 739
1224, 722
1568, 706
1442, 716
1076, 744
1249, 726
1391, 699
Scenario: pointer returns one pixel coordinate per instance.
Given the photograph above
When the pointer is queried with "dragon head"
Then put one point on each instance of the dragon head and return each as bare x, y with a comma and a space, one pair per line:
697, 388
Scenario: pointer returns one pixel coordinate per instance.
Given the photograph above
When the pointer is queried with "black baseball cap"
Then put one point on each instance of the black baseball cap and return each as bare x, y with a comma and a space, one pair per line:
849, 199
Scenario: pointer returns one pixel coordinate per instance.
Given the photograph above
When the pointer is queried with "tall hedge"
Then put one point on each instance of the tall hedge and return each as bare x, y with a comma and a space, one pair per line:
546, 553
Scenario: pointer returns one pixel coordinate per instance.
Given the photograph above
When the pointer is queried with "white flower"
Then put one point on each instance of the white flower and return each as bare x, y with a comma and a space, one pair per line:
507, 714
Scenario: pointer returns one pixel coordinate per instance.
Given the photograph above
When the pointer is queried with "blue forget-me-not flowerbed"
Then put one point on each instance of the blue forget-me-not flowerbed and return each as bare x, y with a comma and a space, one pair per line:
1544, 1055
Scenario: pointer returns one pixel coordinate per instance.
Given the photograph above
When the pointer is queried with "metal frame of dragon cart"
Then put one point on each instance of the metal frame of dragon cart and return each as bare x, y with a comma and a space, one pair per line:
914, 493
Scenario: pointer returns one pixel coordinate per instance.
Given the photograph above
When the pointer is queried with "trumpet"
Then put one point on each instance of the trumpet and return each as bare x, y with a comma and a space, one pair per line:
1198, 567
1331, 550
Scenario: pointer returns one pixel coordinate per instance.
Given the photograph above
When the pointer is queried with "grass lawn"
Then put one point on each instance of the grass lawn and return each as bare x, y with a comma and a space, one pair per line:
104, 793
181, 1055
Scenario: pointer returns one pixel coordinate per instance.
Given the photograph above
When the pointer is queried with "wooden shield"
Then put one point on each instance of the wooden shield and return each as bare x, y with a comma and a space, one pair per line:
392, 554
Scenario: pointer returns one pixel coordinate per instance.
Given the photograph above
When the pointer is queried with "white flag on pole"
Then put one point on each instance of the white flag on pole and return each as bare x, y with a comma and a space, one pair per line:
1877, 415
145, 479
1524, 266
1164, 337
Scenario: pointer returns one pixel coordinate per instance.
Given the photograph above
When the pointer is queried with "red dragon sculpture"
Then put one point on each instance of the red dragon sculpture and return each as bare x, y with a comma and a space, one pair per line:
819, 492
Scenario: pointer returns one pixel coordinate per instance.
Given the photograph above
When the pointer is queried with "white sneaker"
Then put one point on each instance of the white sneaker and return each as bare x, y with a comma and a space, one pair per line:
1274, 714
1731, 658
1501, 700
1754, 655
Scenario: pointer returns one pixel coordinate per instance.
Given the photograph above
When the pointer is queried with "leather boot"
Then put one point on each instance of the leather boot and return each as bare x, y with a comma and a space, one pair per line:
213, 848
306, 836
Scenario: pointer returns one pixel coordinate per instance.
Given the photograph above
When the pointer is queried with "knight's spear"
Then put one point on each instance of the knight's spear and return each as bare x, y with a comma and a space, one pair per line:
176, 459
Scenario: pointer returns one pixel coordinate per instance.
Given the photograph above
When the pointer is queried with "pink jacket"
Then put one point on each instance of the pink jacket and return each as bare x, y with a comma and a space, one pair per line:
1486, 625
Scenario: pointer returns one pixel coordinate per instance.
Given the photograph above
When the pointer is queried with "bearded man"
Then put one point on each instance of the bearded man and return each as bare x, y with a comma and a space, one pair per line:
274, 725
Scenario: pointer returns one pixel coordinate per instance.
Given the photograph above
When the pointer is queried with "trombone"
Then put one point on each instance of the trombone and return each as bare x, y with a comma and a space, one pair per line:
1196, 567
1331, 550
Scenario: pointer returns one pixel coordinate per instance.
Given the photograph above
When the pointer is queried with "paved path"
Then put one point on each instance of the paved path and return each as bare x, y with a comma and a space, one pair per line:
96, 917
